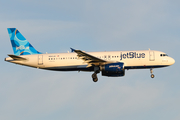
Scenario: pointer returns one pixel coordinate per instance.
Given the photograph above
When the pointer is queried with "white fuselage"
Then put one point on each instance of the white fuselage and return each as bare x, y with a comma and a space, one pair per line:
70, 61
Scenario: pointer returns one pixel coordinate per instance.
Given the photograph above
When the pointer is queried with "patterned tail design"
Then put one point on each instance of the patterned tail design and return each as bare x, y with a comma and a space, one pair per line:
20, 45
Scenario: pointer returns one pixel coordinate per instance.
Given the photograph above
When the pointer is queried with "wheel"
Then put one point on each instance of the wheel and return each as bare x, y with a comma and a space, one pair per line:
152, 75
94, 77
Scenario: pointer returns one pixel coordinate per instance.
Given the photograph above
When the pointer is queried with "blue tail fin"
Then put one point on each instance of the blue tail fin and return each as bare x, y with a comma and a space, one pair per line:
19, 44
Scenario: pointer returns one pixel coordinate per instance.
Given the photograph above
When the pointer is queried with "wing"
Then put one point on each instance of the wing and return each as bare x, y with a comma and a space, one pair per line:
90, 59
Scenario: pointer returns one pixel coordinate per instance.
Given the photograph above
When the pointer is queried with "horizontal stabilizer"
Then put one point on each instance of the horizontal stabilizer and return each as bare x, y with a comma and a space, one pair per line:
17, 57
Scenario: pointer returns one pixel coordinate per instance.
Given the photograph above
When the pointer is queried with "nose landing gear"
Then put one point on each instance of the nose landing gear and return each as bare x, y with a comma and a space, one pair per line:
152, 75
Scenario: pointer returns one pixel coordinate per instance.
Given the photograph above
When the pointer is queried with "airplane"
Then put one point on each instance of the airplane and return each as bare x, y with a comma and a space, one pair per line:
110, 64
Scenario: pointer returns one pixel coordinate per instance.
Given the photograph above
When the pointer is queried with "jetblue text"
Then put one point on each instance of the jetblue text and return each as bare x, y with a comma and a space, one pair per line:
131, 55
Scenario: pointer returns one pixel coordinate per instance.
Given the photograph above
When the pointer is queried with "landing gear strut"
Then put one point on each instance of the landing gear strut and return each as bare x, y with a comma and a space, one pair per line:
94, 75
152, 75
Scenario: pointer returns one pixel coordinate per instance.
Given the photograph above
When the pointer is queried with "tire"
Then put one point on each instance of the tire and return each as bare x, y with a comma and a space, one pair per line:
94, 75
152, 76
95, 79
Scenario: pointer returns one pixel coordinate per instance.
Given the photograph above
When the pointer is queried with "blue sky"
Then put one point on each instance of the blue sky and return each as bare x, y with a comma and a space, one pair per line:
56, 25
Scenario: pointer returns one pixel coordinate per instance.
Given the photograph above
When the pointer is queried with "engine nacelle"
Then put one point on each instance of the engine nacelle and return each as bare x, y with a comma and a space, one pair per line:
113, 69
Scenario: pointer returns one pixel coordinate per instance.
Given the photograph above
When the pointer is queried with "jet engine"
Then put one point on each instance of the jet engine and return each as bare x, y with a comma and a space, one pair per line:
113, 69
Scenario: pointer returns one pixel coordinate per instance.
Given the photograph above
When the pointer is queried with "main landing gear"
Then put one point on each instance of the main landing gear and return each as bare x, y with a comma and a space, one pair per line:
152, 75
94, 75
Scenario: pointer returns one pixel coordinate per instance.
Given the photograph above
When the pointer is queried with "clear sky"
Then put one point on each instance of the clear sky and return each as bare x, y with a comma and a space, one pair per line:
90, 25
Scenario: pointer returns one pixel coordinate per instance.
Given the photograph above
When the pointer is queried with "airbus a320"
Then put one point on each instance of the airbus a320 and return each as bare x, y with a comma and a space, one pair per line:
111, 64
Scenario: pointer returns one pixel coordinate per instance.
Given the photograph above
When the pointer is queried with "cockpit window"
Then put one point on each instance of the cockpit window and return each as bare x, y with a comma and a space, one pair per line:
163, 55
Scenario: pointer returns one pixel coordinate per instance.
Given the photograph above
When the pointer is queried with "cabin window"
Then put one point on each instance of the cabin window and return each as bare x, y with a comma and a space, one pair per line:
49, 58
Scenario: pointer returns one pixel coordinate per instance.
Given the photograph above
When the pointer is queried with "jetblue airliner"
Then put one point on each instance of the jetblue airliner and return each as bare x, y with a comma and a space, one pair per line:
111, 64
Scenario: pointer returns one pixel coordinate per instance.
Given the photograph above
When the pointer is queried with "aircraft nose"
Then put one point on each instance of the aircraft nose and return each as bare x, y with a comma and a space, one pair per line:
171, 61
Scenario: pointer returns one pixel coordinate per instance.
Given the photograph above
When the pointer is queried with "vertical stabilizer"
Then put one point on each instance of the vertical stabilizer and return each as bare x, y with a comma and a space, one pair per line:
19, 44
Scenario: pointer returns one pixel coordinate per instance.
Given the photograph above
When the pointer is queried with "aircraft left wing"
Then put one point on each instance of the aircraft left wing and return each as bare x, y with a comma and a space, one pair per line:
90, 59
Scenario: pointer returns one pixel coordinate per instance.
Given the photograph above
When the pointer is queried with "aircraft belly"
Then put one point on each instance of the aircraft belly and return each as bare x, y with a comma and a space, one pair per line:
144, 67
70, 68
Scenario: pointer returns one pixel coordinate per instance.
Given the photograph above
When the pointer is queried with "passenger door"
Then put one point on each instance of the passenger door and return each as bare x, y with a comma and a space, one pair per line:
151, 56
